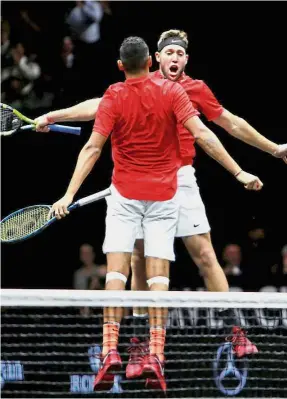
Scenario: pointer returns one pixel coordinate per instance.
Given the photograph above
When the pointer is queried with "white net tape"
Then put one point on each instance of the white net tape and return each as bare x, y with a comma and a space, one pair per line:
51, 349
175, 299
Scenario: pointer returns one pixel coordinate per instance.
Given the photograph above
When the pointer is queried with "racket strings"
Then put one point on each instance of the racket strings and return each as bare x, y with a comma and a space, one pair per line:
9, 121
24, 223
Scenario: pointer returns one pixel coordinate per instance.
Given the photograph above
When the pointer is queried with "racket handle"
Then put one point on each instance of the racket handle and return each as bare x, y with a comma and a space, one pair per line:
65, 129
57, 128
92, 198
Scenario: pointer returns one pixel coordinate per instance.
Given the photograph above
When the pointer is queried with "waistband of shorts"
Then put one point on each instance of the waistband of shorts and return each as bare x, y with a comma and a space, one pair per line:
186, 169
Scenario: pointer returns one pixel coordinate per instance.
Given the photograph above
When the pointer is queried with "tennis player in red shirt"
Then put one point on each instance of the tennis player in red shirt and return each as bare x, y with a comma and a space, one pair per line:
172, 57
143, 113
193, 225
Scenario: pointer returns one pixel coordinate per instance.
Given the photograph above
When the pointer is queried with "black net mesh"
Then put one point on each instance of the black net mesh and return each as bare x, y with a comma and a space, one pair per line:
53, 352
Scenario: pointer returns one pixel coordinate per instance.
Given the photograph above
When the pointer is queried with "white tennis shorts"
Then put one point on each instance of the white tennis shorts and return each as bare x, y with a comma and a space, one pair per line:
192, 217
156, 219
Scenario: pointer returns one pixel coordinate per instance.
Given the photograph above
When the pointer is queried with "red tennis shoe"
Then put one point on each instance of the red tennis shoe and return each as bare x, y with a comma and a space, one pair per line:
153, 370
138, 350
242, 346
111, 363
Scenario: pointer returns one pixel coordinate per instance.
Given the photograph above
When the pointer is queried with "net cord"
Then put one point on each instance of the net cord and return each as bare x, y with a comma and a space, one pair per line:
171, 299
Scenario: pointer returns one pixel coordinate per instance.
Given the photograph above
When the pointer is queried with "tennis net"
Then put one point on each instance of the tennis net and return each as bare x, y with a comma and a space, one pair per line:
50, 348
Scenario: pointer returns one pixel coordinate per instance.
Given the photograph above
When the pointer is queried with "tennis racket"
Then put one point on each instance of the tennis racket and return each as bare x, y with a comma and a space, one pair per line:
27, 222
12, 122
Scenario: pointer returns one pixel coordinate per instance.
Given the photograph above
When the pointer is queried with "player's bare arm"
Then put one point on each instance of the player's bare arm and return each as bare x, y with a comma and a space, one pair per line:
241, 129
83, 112
88, 156
208, 141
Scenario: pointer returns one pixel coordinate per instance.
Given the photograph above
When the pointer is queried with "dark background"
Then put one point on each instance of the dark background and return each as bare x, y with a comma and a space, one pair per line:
238, 49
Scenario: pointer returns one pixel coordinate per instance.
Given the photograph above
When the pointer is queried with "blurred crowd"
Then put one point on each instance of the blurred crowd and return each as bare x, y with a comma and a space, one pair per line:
256, 263
54, 59
49, 62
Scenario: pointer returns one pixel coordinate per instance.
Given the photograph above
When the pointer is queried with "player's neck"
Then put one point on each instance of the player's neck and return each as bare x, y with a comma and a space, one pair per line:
140, 74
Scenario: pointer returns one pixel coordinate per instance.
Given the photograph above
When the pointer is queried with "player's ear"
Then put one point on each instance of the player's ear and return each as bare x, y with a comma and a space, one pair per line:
186, 59
157, 56
149, 61
120, 65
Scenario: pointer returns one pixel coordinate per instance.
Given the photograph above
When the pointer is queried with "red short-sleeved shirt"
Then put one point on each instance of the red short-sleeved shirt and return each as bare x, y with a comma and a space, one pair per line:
204, 101
143, 114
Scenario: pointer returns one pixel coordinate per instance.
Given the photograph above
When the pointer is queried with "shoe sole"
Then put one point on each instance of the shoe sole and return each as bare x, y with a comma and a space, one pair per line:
107, 385
104, 386
155, 385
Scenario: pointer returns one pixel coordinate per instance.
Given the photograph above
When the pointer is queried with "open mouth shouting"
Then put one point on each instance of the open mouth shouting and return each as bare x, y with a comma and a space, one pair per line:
173, 71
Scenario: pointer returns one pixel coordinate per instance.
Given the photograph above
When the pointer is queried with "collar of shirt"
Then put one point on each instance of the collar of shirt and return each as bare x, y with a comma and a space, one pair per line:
136, 80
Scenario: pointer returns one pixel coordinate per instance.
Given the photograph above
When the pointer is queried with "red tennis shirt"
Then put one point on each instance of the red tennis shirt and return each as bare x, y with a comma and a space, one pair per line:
204, 101
142, 114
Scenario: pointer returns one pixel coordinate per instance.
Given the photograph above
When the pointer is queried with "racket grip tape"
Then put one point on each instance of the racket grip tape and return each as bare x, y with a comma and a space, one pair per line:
65, 129
94, 197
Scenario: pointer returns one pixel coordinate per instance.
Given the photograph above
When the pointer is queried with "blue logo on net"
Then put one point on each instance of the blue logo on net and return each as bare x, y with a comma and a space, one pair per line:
226, 369
84, 383
11, 370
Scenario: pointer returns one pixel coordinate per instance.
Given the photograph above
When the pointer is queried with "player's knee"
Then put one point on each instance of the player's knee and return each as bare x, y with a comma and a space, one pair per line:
115, 281
158, 283
157, 274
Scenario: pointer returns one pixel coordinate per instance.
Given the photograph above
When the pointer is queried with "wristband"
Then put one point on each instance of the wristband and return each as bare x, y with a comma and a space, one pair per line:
238, 173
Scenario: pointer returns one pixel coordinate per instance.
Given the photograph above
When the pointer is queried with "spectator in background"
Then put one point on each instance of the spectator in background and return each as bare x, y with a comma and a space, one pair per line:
67, 53
84, 22
19, 71
232, 258
89, 276
66, 74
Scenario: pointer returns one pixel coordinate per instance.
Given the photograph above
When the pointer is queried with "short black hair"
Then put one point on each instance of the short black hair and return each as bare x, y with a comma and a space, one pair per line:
134, 53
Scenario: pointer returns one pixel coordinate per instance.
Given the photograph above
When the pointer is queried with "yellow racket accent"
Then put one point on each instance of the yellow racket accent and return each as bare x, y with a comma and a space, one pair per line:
23, 117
